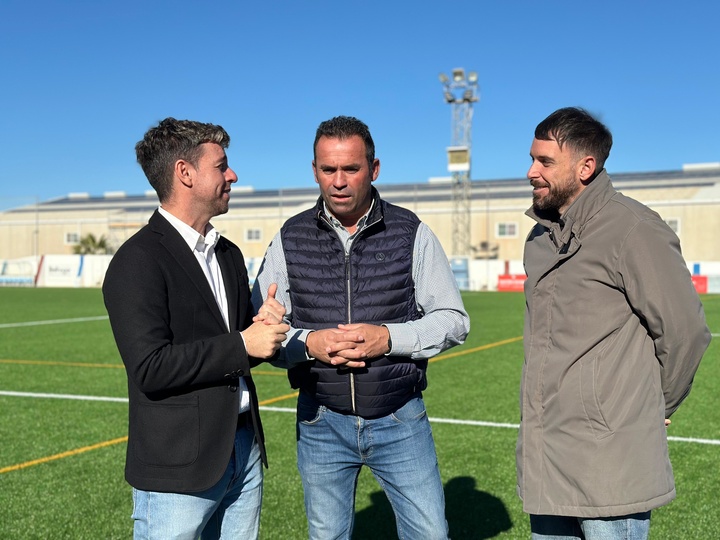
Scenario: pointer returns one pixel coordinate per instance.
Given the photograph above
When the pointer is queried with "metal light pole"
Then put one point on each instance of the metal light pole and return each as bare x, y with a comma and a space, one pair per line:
460, 92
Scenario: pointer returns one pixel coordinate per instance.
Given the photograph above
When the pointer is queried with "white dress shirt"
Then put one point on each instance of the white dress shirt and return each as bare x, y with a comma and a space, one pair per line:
203, 247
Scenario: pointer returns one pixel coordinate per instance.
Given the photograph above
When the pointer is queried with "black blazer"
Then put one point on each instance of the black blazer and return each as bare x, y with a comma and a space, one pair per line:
182, 364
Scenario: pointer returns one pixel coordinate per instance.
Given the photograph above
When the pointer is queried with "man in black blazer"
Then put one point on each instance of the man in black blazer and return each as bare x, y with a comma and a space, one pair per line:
179, 304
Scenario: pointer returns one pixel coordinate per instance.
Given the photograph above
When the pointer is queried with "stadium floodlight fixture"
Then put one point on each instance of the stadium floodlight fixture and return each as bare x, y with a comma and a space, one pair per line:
458, 158
459, 92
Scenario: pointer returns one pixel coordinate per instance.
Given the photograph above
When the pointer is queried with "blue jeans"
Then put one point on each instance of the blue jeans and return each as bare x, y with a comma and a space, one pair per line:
631, 527
398, 449
229, 509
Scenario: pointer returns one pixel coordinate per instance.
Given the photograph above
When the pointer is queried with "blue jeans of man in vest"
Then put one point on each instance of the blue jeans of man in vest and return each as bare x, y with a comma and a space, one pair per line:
397, 448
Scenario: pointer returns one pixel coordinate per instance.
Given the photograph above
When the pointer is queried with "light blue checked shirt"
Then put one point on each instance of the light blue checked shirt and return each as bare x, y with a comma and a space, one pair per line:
444, 323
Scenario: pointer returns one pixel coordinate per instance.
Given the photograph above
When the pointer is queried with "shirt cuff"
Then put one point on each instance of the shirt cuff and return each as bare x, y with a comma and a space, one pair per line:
295, 349
403, 341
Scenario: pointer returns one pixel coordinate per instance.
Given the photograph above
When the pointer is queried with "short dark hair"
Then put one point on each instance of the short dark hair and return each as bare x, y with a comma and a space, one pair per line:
170, 141
344, 127
579, 130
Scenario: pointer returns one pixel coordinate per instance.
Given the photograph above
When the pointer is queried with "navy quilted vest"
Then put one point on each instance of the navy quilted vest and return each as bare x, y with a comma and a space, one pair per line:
372, 284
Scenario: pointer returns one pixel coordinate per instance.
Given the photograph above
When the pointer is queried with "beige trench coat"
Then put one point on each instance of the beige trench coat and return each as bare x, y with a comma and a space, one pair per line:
614, 333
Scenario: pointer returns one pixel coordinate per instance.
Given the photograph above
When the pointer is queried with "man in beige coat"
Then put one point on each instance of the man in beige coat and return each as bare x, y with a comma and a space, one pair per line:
614, 333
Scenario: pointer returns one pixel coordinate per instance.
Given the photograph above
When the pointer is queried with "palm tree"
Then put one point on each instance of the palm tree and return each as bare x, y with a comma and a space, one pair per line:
89, 245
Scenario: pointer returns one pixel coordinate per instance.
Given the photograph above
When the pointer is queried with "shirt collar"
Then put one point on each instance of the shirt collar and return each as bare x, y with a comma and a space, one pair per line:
336, 223
192, 238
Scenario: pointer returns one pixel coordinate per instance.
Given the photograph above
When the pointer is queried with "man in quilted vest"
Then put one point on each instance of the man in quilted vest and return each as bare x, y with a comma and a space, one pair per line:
370, 297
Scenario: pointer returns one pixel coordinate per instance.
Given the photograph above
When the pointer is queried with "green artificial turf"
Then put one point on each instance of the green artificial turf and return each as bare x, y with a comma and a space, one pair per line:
54, 482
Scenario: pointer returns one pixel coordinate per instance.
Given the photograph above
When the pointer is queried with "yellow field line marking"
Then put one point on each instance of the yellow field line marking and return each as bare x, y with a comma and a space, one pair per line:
273, 373
104, 444
476, 349
70, 364
279, 398
262, 403
62, 455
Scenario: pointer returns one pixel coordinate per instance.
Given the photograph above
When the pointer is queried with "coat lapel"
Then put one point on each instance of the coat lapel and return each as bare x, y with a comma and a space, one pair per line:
230, 278
186, 262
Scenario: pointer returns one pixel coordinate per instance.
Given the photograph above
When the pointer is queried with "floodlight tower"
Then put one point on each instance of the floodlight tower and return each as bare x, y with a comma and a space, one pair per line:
460, 92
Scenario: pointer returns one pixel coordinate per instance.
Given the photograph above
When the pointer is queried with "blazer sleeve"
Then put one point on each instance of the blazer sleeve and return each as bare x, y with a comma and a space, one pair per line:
167, 336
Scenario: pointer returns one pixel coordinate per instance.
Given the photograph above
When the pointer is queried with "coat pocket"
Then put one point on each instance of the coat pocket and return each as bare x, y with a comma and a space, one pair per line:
589, 397
167, 433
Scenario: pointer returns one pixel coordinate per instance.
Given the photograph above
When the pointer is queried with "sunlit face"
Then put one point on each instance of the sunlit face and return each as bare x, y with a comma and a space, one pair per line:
213, 180
554, 175
345, 177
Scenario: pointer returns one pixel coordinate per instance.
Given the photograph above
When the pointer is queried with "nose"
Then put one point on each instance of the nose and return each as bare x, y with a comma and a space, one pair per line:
339, 180
533, 171
230, 176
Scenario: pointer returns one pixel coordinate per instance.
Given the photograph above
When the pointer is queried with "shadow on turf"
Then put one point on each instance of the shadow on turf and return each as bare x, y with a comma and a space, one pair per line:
471, 514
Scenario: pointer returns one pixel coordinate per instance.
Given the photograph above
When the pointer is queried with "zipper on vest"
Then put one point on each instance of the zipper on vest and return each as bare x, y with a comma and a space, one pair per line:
349, 321
349, 303
348, 314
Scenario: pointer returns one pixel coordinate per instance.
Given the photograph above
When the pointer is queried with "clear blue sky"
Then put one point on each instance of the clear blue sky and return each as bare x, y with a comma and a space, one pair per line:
83, 80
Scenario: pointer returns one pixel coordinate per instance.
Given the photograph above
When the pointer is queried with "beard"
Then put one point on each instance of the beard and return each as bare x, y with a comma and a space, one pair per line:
557, 197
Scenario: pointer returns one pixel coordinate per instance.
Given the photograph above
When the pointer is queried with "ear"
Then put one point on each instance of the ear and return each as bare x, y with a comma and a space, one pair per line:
315, 172
375, 169
184, 172
586, 167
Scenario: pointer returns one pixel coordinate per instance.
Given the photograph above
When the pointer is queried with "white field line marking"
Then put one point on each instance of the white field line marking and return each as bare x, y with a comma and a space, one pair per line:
278, 409
715, 442
53, 321
62, 396
516, 426
473, 423
694, 440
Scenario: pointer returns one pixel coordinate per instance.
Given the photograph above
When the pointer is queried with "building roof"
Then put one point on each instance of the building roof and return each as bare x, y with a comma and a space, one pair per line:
437, 191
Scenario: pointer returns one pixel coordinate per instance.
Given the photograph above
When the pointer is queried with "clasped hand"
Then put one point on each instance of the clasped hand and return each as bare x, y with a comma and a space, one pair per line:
348, 345
268, 331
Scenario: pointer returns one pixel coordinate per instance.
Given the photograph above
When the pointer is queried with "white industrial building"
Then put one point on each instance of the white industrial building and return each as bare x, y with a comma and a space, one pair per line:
688, 200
